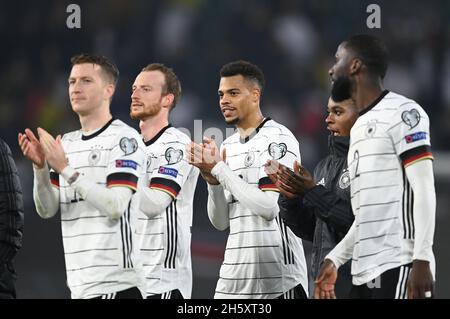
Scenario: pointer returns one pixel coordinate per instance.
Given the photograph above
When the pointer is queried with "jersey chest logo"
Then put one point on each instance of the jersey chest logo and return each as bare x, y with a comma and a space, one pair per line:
173, 156
344, 180
411, 118
249, 158
371, 128
94, 157
277, 151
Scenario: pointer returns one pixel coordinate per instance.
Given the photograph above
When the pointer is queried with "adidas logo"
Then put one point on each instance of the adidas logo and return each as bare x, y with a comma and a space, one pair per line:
321, 182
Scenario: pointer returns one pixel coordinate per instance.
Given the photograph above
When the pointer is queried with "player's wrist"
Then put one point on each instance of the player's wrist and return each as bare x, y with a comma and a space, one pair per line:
70, 175
332, 261
39, 167
329, 262
217, 167
60, 168
211, 180
421, 263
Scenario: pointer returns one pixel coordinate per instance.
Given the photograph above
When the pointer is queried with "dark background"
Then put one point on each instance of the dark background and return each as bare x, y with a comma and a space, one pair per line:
292, 41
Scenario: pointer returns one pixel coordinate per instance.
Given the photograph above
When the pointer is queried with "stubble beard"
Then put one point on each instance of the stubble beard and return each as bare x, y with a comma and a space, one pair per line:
146, 113
234, 121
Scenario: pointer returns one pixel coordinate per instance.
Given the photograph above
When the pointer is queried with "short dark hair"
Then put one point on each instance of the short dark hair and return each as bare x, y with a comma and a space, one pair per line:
172, 85
248, 70
372, 51
108, 67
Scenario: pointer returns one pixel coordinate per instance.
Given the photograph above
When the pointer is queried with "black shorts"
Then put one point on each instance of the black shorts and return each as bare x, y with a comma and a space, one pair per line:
173, 294
295, 293
389, 285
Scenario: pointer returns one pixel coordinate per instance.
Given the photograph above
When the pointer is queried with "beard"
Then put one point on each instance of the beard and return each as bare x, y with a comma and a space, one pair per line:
341, 89
146, 112
136, 115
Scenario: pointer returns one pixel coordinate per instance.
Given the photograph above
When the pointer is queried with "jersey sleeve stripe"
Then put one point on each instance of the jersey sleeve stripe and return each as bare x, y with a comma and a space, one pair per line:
265, 184
165, 185
415, 155
418, 159
54, 179
122, 179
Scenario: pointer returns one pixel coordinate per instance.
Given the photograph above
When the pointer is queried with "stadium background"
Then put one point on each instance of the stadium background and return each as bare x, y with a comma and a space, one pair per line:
292, 41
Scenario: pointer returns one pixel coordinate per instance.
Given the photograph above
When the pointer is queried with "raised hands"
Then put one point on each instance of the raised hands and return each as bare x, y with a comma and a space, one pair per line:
205, 156
290, 183
32, 148
54, 152
298, 181
45, 149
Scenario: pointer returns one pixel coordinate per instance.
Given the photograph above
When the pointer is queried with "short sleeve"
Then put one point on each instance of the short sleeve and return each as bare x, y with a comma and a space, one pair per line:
282, 147
410, 133
172, 169
126, 160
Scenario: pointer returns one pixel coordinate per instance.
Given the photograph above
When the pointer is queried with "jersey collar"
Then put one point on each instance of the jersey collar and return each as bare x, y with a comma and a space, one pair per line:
249, 137
100, 131
374, 103
153, 140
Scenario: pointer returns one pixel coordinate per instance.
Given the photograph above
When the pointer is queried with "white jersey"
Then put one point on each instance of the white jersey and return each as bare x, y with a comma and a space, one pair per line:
98, 250
391, 134
165, 240
263, 259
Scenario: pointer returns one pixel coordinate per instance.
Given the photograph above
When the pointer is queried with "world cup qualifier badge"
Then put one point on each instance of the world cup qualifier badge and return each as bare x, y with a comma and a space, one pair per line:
277, 150
173, 156
128, 145
411, 118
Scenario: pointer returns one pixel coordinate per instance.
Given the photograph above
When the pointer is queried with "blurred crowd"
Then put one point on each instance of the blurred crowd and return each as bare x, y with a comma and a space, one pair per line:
294, 43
